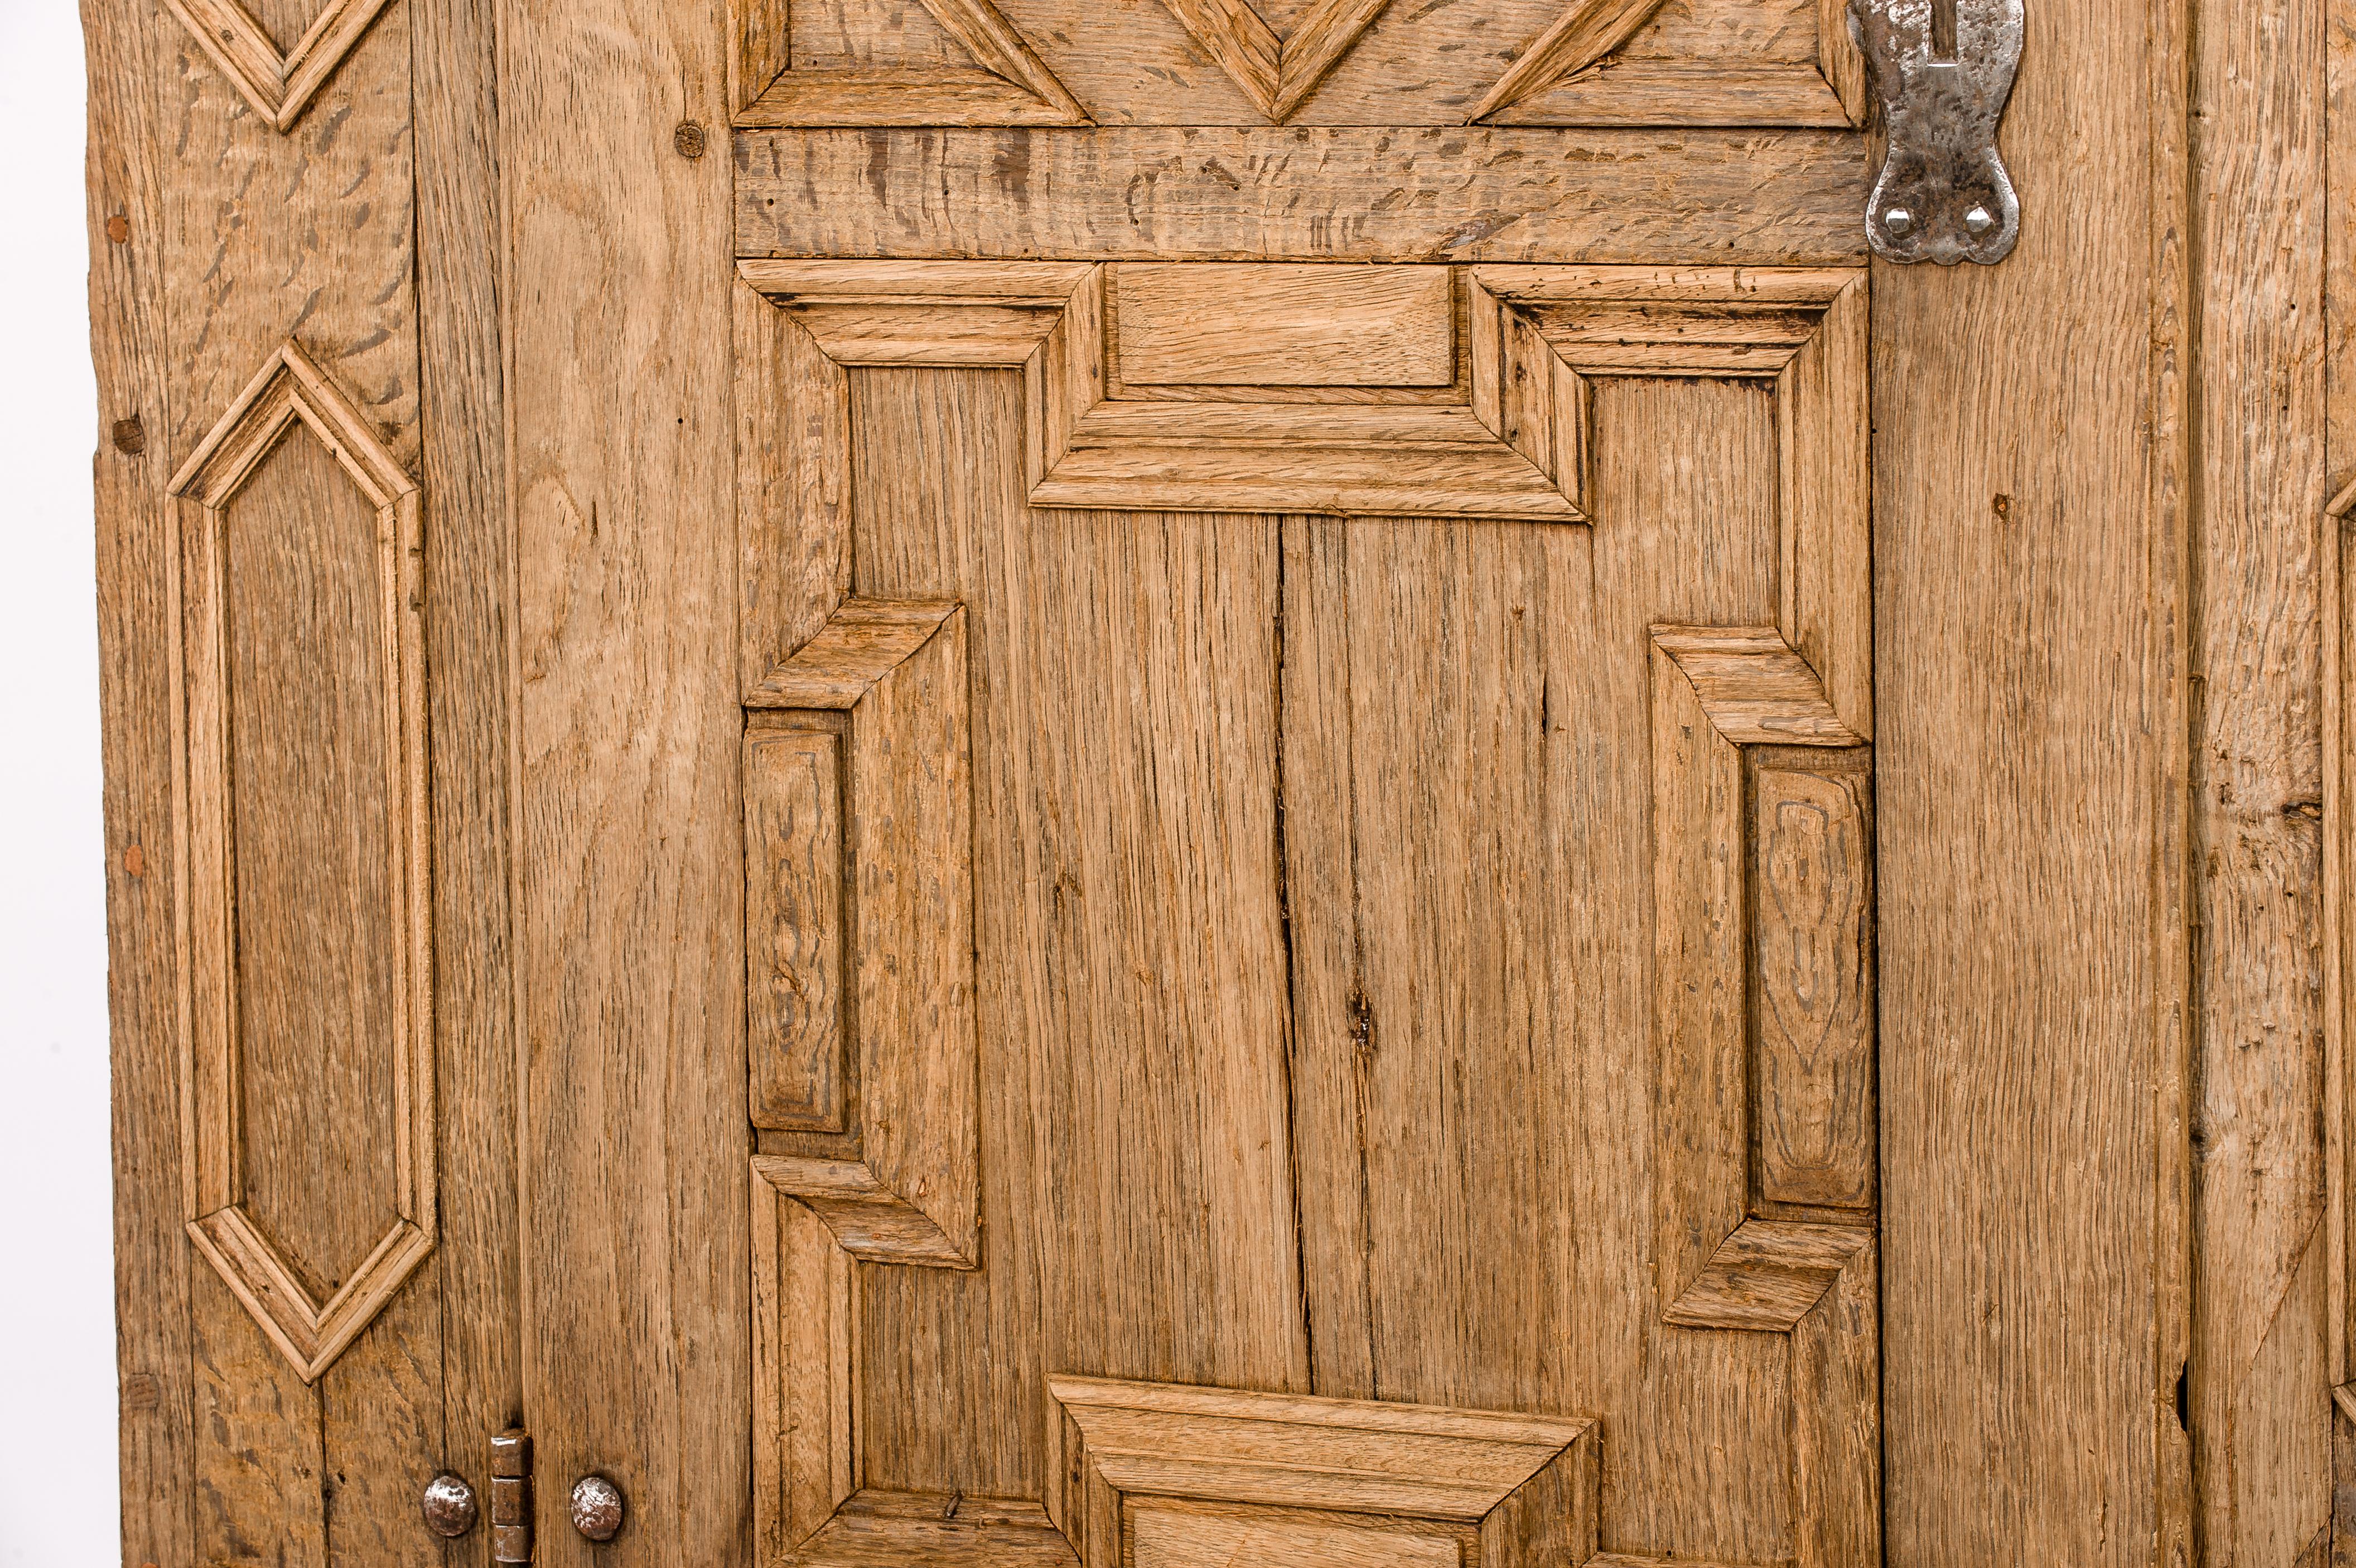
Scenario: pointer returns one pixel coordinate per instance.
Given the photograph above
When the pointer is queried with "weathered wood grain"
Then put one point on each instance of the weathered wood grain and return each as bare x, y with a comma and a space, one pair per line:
469, 609
631, 995
795, 928
1812, 980
1334, 194
129, 165
2025, 785
2261, 1346
1276, 326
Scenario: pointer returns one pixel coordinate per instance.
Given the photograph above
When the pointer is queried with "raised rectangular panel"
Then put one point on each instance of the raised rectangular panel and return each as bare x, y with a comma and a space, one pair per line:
1173, 1535
1812, 982
794, 927
1257, 325
307, 1053
1303, 1477
892, 674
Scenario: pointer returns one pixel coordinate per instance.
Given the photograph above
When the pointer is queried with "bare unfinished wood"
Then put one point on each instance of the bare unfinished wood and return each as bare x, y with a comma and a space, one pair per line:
1285, 326
1087, 605
1335, 1481
2050, 1279
1000, 81
279, 82
896, 670
630, 998
1812, 978
1304, 194
796, 926
1276, 72
350, 678
2261, 1329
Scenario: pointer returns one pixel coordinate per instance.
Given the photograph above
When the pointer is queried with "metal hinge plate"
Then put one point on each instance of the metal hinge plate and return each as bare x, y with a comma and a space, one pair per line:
511, 1497
1943, 71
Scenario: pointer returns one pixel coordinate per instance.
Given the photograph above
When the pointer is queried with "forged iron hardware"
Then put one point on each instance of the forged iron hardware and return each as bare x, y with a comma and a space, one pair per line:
511, 1497
449, 1504
596, 1507
1943, 71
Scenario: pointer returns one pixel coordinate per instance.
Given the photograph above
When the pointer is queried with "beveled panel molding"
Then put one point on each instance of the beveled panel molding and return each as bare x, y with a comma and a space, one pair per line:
1542, 86
279, 85
1764, 1127
1506, 438
1277, 73
1165, 1474
291, 400
1005, 85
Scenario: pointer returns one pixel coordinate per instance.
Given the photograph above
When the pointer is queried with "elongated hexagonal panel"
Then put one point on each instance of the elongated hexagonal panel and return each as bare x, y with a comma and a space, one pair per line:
307, 1045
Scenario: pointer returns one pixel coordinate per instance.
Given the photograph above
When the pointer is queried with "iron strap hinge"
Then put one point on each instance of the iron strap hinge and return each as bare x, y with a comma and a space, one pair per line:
1943, 71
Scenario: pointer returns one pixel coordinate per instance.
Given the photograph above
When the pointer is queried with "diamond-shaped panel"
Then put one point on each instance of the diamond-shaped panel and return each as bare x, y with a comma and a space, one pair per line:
298, 720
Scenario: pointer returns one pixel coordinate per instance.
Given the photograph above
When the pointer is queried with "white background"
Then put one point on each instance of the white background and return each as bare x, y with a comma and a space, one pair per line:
57, 1297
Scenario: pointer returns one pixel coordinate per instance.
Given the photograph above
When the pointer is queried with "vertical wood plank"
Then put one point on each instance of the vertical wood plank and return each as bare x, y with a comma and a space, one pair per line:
1467, 829
130, 48
2261, 1344
637, 1323
470, 692
955, 1386
2027, 750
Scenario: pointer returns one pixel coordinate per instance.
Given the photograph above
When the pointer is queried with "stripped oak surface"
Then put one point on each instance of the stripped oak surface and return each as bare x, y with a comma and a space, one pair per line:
1315, 931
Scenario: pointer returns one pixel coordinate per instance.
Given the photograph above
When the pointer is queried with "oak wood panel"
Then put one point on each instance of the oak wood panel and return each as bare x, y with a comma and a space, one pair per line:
469, 578
896, 672
1223, 62
1126, 913
329, 219
1165, 1536
313, 793
631, 1007
951, 62
1811, 920
882, 1530
951, 1386
1332, 194
1507, 786
277, 68
128, 164
794, 927
1243, 1469
1279, 326
2262, 1334
2339, 622
2048, 1281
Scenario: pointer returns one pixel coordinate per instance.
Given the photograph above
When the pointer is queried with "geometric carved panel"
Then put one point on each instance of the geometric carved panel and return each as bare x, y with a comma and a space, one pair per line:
860, 1020
1549, 82
277, 85
1764, 1107
1162, 1476
1277, 73
1002, 82
1504, 438
245, 745
1392, 391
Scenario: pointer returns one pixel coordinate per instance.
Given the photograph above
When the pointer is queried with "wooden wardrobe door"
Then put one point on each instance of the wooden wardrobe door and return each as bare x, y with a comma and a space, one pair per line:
1105, 783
